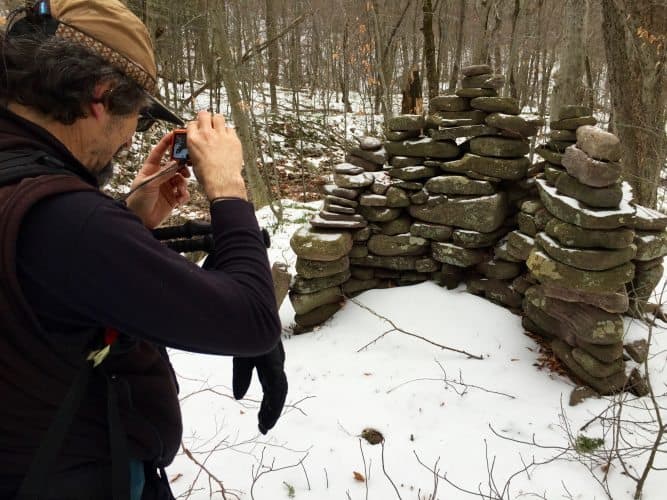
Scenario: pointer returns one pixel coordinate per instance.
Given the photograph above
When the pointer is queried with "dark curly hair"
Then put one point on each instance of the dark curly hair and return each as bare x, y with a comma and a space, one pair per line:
58, 78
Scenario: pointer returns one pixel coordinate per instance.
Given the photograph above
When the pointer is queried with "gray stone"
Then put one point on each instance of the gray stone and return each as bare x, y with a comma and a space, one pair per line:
499, 147
379, 214
449, 103
425, 147
520, 245
497, 291
402, 244
406, 123
340, 201
455, 118
494, 82
476, 69
531, 206
399, 225
419, 198
348, 169
564, 135
605, 197
426, 265
310, 269
598, 144
458, 185
638, 384
595, 367
455, 255
581, 393
586, 259
514, 125
507, 105
549, 270
381, 183
572, 123
605, 353
397, 197
353, 181
333, 190
575, 236
549, 155
589, 171
463, 131
358, 250
408, 185
361, 234
397, 263
474, 239
313, 244
603, 385
405, 161
369, 143
474, 92
647, 219
322, 223
637, 350
499, 269
641, 289
401, 135
373, 200
499, 168
502, 251
527, 224
317, 316
483, 81
569, 111
570, 210
435, 232
338, 209
354, 286
613, 302
378, 156
303, 303
484, 214
367, 166
303, 285
345, 217
412, 173
650, 245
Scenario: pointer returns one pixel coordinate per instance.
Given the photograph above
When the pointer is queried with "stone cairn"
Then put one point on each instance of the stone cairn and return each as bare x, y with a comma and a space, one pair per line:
452, 197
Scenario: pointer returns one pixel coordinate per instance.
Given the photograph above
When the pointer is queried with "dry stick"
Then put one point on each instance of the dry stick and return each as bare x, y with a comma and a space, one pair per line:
363, 459
223, 491
387, 475
255, 477
305, 473
396, 328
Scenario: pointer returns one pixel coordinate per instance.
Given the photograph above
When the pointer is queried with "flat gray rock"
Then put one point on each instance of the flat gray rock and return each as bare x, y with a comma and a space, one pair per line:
373, 200
310, 269
339, 200
514, 125
333, 190
613, 302
401, 135
474, 239
650, 245
476, 92
378, 156
406, 161
578, 237
413, 173
369, 143
484, 214
451, 133
348, 169
572, 123
507, 105
499, 147
406, 123
320, 222
353, 181
449, 103
435, 232
588, 170
455, 255
458, 185
304, 303
573, 111
496, 168
476, 69
425, 147
312, 244
453, 118
586, 259
604, 197
379, 214
402, 244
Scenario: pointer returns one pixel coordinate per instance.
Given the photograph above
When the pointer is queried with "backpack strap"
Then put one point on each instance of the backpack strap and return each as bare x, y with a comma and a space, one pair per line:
22, 163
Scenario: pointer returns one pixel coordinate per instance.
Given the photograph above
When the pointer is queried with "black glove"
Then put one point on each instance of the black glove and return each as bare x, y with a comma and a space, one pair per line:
270, 369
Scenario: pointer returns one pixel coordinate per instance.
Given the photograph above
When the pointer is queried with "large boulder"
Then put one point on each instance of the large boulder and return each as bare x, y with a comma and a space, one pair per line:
499, 147
312, 244
499, 168
588, 170
484, 214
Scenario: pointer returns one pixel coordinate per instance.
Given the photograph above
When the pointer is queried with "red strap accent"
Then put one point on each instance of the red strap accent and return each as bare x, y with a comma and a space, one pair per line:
110, 336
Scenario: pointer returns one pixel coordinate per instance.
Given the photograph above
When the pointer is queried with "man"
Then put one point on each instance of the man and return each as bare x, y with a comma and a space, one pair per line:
88, 298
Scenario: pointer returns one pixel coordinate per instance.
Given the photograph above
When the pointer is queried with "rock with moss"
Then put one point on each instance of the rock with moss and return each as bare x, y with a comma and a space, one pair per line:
312, 244
456, 255
319, 269
497, 168
303, 285
304, 303
435, 232
484, 214
402, 244
587, 259
499, 147
575, 236
588, 170
425, 147
605, 197
458, 185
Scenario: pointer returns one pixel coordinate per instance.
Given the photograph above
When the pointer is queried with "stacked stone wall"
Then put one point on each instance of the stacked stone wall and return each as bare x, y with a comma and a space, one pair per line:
452, 197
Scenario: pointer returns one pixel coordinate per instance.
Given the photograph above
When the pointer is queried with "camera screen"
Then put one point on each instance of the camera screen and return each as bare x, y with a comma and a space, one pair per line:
180, 147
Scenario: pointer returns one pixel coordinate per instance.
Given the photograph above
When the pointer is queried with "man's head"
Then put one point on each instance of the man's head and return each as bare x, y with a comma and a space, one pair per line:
73, 60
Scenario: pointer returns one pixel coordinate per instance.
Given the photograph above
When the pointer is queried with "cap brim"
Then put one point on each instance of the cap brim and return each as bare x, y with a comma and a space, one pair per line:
159, 111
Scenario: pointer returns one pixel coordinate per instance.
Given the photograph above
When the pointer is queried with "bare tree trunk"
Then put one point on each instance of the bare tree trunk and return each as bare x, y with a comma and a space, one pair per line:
429, 49
456, 67
568, 80
514, 44
481, 51
634, 36
258, 190
273, 53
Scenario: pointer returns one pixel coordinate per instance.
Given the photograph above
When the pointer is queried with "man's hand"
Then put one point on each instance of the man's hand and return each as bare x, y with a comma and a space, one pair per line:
154, 201
270, 369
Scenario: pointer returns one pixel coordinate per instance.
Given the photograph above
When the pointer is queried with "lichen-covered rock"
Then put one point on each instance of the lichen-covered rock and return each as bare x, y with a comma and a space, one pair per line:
588, 170
499, 147
412, 173
451, 133
605, 197
405, 161
484, 214
397, 197
401, 244
344, 222
549, 270
497, 291
553, 157
520, 245
379, 214
575, 236
426, 265
313, 244
332, 189
378, 156
647, 219
605, 353
515, 125
303, 285
303, 303
448, 103
358, 250
476, 69
499, 269
474, 239
401, 135
638, 350
425, 147
353, 181
604, 385
348, 169
399, 225
435, 232
613, 302
573, 123
507, 105
369, 143
310, 269
570, 210
455, 255
650, 245
595, 367
398, 263
405, 123
586, 259
499, 168
641, 288
373, 200
455, 118
569, 111
458, 185
598, 143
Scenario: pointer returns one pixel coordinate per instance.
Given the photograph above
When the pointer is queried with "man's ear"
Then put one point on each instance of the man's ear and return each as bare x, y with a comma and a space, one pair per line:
98, 103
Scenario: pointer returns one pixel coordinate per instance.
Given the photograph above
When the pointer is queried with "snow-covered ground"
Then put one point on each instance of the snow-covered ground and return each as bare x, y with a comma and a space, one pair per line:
431, 405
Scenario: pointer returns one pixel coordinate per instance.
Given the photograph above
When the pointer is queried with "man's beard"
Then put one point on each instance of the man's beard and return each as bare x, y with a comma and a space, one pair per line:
104, 175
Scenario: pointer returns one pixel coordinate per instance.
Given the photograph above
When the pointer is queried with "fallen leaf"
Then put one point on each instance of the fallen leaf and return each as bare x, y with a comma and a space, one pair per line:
176, 478
514, 359
358, 476
368, 374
